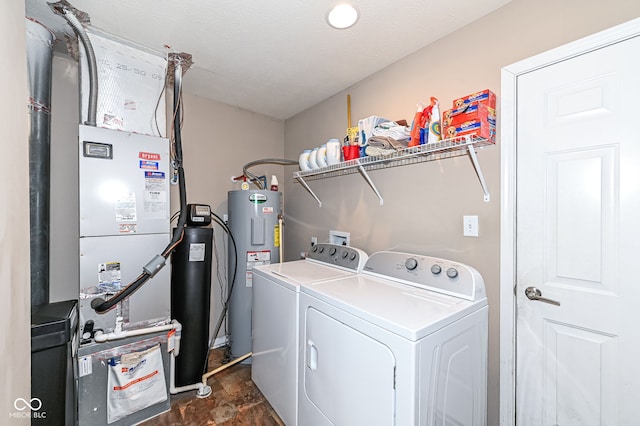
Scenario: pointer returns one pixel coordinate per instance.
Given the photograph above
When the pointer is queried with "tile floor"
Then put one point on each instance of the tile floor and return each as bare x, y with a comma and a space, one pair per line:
235, 401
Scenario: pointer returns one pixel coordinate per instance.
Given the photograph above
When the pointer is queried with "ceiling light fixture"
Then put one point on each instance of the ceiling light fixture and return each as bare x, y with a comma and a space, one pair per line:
342, 16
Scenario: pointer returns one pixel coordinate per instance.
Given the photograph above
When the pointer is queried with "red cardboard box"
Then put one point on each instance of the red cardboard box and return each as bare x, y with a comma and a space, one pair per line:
486, 97
474, 111
479, 128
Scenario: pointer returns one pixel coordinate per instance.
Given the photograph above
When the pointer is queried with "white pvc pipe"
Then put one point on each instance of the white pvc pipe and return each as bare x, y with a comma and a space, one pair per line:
281, 238
203, 389
100, 337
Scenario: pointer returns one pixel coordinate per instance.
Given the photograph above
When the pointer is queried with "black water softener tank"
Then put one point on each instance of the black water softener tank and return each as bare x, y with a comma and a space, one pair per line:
190, 298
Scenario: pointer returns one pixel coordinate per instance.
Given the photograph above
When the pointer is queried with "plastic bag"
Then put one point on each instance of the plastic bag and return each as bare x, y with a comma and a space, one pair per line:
136, 381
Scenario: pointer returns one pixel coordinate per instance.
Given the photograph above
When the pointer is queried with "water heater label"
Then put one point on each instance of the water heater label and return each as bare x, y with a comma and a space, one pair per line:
276, 236
267, 210
255, 258
259, 256
258, 198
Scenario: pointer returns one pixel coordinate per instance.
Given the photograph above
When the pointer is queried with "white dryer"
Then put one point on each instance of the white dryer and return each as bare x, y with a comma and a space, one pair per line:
403, 343
275, 322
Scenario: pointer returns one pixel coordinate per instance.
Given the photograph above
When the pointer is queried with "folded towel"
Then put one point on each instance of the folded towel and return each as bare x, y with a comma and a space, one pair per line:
393, 130
386, 142
374, 151
384, 145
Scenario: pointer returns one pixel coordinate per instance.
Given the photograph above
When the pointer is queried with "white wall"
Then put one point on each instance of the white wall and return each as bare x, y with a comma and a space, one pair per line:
424, 203
14, 215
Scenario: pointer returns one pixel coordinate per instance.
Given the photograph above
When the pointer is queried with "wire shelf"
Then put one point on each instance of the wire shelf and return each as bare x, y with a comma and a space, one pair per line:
461, 145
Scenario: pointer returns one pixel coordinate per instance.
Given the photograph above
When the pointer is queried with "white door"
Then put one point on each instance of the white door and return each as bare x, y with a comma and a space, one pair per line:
578, 240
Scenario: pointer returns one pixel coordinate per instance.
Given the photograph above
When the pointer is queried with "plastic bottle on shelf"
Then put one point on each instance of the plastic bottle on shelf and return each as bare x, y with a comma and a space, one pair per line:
418, 122
434, 134
274, 183
303, 160
313, 158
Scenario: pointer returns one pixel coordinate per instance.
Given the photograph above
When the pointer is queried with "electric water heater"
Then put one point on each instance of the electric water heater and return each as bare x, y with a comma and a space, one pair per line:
253, 221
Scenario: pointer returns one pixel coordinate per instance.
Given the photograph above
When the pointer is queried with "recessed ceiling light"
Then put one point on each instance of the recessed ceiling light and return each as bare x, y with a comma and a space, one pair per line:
342, 16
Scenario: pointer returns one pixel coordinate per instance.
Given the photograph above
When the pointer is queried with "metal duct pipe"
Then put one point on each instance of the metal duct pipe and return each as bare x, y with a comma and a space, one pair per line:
39, 68
92, 64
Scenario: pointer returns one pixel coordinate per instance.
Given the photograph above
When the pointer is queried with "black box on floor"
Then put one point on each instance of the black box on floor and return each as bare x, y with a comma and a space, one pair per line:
53, 380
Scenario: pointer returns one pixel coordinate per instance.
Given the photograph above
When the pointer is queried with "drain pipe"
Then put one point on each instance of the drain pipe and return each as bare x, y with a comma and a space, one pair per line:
119, 333
172, 380
39, 66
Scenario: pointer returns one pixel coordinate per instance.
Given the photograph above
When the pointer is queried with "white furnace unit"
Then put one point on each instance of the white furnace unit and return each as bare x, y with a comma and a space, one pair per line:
124, 223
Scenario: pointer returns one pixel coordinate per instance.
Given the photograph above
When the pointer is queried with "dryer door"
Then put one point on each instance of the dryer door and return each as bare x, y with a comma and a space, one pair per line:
348, 376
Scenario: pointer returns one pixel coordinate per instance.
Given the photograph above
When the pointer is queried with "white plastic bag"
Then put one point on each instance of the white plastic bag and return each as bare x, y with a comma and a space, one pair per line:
136, 381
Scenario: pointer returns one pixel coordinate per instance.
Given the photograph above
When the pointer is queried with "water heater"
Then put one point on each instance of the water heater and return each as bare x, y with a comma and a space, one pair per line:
253, 221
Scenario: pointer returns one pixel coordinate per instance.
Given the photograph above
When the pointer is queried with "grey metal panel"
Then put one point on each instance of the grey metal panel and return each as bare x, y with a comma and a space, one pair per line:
92, 388
151, 302
128, 193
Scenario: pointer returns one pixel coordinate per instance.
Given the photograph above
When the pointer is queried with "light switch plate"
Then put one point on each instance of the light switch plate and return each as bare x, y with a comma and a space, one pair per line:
470, 226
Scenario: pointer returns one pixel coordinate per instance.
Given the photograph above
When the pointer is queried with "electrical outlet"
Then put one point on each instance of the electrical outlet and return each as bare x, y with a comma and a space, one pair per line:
340, 238
470, 226
314, 241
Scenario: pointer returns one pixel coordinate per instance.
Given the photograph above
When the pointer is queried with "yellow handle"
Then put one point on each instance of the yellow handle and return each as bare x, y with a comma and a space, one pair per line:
348, 111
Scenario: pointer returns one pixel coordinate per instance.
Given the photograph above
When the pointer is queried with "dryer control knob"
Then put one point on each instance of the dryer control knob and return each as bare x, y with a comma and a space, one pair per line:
436, 269
452, 272
411, 264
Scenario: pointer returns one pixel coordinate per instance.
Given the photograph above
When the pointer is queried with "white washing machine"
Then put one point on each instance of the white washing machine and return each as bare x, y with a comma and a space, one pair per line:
402, 343
275, 322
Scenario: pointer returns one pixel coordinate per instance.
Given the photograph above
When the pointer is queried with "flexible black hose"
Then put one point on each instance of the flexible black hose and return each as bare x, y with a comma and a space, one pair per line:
225, 306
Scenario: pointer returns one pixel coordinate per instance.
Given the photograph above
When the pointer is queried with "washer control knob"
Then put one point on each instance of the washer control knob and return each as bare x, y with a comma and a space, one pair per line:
452, 272
332, 251
315, 249
345, 254
411, 264
436, 269
321, 249
353, 256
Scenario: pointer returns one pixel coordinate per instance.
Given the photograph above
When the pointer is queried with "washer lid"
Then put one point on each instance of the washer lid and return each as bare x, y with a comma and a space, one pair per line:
407, 311
293, 274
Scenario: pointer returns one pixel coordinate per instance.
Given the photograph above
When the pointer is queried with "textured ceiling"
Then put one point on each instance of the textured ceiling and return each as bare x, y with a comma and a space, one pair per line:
278, 57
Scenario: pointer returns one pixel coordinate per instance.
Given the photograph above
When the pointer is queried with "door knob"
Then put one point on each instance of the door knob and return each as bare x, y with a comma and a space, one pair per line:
534, 293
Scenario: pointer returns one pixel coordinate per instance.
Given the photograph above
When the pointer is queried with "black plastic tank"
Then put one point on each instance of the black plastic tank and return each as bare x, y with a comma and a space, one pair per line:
190, 302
